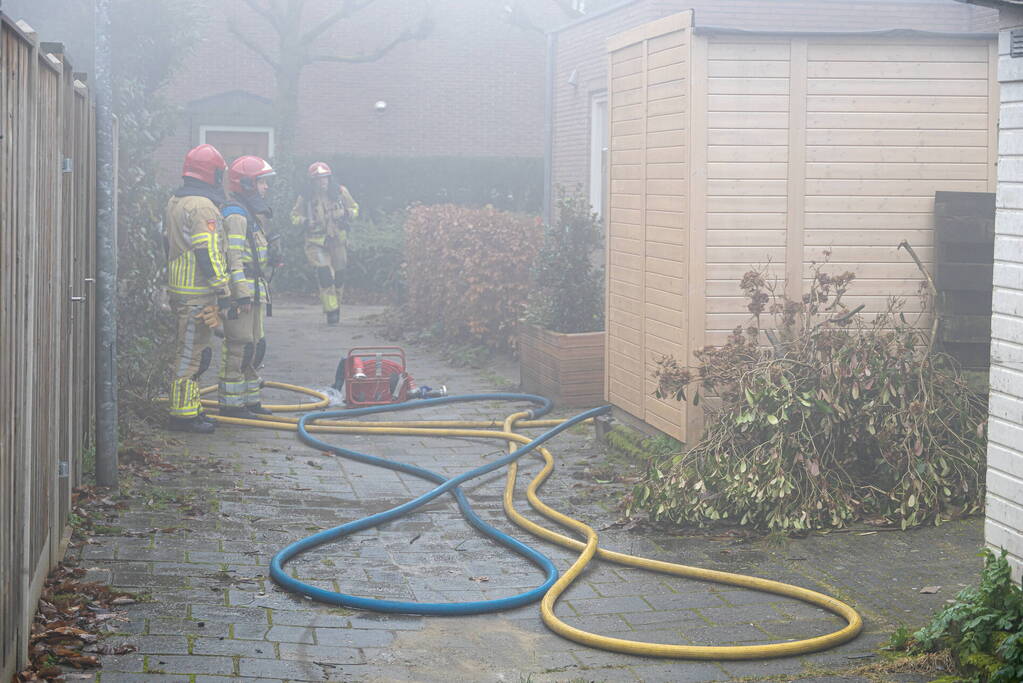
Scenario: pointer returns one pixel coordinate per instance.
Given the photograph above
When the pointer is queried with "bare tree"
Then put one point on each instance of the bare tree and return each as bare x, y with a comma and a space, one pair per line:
517, 12
522, 13
297, 47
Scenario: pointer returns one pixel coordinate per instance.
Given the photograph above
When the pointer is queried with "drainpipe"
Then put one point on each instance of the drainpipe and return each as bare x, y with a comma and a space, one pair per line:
106, 259
548, 127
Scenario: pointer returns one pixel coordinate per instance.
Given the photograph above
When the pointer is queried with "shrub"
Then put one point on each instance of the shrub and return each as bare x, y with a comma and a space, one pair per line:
983, 628
567, 293
837, 419
467, 272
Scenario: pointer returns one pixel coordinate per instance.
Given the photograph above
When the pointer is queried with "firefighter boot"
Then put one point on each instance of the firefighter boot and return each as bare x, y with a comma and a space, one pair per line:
333, 317
240, 412
258, 409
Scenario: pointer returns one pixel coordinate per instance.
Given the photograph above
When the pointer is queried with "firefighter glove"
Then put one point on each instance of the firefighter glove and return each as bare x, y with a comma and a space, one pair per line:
210, 316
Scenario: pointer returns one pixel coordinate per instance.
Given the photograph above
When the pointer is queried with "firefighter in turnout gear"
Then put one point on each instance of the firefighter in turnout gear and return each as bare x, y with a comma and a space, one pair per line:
246, 215
325, 220
197, 279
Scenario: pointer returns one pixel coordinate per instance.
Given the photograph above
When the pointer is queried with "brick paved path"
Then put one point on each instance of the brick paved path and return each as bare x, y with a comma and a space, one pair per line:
214, 616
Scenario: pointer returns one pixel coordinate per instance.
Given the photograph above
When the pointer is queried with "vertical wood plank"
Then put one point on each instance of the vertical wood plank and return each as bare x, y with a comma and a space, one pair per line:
796, 214
641, 380
29, 235
606, 218
994, 104
692, 416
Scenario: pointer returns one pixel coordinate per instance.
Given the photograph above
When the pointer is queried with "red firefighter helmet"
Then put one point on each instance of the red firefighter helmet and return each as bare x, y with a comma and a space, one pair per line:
318, 169
241, 178
205, 163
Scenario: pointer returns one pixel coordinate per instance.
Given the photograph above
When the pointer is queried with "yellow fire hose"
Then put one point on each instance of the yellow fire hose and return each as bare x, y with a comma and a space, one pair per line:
589, 549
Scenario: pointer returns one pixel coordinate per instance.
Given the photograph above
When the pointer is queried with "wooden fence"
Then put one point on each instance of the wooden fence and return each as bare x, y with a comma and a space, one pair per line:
47, 270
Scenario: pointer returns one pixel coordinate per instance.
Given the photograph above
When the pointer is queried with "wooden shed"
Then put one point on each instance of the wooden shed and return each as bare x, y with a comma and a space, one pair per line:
730, 149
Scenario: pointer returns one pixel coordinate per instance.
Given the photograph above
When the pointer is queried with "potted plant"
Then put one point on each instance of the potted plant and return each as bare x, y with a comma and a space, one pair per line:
561, 338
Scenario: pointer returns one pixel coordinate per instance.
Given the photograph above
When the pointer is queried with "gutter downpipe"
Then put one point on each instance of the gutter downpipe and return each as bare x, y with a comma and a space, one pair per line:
106, 259
548, 128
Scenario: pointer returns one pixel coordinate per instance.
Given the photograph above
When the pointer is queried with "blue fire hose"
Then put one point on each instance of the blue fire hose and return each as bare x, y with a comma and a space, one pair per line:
445, 485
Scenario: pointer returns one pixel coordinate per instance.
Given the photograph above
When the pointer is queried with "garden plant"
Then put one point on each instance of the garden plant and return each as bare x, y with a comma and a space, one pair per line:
817, 417
567, 293
982, 629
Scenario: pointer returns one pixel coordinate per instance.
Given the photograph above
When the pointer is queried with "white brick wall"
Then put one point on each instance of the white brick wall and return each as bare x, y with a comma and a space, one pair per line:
1004, 525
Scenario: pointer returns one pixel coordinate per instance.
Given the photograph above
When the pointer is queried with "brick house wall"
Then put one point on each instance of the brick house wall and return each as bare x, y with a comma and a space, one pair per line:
581, 48
472, 88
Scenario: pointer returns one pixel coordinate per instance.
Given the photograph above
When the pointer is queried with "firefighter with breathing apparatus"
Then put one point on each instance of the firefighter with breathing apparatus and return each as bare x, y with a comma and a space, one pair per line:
250, 255
197, 279
325, 219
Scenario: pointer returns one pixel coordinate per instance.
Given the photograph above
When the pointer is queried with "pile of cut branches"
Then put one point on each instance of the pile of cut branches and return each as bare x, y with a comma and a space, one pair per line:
820, 417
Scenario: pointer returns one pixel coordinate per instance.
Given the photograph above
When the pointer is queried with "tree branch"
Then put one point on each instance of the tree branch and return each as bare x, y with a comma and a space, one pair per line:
267, 13
421, 31
517, 15
348, 8
252, 45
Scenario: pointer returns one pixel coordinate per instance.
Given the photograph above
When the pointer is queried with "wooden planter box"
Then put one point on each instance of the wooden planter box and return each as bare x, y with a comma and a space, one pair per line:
567, 368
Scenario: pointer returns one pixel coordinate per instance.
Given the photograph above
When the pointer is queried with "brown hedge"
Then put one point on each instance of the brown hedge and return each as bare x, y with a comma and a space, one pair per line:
467, 272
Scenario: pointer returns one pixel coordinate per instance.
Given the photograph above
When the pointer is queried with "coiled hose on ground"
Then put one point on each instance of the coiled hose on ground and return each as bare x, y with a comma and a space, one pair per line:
553, 587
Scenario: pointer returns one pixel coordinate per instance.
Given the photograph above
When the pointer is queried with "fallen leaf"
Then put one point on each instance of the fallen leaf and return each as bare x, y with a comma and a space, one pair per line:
929, 590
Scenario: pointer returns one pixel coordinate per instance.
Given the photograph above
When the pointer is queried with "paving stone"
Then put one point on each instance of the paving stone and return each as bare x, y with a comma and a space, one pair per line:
123, 663
748, 614
353, 638
234, 679
320, 653
607, 605
678, 672
158, 644
723, 635
390, 622
227, 647
114, 677
301, 669
315, 616
291, 634
189, 664
171, 627
245, 615
681, 601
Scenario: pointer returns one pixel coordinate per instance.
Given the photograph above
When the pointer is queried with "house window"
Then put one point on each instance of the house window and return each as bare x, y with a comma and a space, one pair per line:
237, 141
598, 152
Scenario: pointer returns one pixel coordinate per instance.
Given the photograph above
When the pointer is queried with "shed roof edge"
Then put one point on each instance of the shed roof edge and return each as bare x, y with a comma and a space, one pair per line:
887, 33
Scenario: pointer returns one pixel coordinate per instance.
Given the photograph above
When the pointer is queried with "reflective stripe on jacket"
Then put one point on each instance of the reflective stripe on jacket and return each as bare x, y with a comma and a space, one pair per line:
196, 265
246, 260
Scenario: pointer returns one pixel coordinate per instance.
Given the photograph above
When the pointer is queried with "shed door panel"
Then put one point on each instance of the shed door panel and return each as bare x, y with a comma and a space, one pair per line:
648, 220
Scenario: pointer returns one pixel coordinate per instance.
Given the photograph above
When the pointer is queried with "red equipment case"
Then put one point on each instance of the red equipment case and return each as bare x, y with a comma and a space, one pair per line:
384, 378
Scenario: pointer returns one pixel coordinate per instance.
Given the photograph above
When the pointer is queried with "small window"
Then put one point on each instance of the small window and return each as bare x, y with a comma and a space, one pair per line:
237, 141
598, 152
